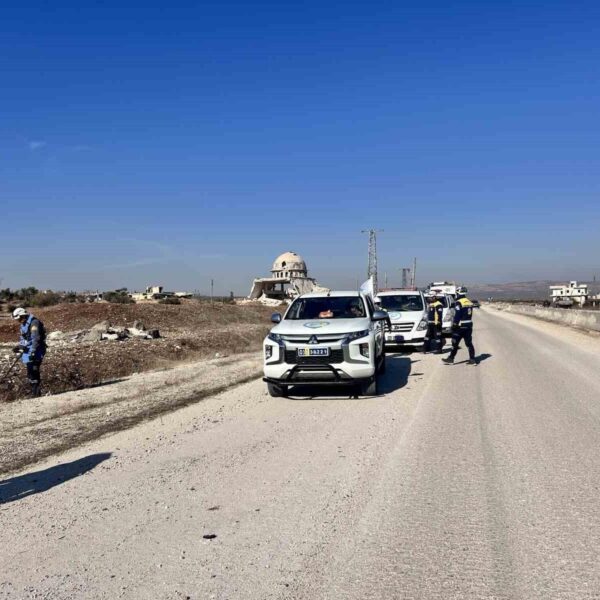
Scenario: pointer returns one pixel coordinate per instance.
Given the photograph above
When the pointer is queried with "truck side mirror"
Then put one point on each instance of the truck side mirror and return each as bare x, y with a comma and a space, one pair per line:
380, 315
275, 318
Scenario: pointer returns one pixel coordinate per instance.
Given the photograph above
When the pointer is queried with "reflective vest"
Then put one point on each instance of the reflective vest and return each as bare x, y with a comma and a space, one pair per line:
463, 312
435, 312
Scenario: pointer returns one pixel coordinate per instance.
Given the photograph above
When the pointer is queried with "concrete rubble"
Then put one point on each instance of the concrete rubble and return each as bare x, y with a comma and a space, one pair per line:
102, 332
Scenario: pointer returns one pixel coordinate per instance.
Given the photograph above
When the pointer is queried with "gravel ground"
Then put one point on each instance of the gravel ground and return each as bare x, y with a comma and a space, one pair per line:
37, 428
456, 483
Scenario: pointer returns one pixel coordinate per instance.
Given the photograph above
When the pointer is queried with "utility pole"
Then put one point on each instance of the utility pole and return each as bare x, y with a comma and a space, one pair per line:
386, 280
372, 269
212, 288
405, 276
414, 275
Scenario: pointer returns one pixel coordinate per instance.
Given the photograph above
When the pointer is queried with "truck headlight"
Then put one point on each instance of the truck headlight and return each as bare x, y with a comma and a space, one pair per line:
274, 337
422, 325
356, 335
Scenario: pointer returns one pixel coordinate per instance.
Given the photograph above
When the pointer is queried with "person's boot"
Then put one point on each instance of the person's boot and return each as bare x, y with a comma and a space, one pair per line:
36, 391
471, 361
448, 360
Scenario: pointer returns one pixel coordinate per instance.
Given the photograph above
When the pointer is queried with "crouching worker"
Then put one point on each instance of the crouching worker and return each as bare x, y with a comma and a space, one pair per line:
32, 347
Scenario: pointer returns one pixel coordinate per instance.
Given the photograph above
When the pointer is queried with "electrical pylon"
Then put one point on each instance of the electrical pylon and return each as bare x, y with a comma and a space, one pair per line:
372, 269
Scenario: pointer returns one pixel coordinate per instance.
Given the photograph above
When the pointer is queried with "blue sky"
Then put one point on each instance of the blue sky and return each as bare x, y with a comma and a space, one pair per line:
147, 142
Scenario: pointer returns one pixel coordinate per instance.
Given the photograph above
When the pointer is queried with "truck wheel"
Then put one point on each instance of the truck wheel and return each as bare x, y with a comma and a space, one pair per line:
370, 388
277, 391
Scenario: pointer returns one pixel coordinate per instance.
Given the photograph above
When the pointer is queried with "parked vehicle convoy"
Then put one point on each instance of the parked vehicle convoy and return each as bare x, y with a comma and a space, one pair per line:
407, 311
326, 338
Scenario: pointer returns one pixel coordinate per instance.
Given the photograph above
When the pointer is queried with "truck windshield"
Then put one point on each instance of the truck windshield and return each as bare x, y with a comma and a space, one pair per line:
403, 303
339, 307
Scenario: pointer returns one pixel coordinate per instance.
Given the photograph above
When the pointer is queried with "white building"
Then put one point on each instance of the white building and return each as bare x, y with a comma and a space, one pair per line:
289, 278
571, 292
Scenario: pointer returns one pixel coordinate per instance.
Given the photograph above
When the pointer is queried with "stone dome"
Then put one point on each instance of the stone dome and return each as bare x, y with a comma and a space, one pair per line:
289, 264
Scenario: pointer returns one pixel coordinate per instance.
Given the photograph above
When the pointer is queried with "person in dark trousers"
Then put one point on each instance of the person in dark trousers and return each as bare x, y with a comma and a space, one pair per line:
32, 347
433, 337
462, 327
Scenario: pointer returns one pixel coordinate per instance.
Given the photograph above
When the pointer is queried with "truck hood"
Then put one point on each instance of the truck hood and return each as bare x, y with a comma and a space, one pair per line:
407, 316
289, 327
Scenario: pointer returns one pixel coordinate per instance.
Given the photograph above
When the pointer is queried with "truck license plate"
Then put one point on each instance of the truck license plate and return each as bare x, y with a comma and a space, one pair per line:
313, 351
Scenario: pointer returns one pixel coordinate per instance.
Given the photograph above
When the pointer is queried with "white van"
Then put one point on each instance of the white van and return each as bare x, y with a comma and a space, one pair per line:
407, 310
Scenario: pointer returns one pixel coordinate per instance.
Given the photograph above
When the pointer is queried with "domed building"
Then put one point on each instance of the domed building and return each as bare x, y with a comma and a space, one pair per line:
289, 265
289, 278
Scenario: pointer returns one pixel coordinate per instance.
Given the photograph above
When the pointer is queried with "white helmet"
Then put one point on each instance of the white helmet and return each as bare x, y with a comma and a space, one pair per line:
18, 313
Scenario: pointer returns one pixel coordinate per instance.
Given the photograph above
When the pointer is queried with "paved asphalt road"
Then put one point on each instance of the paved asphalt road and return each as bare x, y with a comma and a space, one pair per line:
457, 482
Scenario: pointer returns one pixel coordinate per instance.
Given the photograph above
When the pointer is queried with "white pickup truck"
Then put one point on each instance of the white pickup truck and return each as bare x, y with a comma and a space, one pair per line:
326, 338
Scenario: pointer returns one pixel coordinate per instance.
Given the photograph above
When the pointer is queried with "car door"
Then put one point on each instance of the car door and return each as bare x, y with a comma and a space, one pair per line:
379, 329
451, 305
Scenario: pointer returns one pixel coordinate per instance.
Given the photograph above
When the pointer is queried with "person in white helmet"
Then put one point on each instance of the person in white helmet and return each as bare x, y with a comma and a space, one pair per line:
32, 347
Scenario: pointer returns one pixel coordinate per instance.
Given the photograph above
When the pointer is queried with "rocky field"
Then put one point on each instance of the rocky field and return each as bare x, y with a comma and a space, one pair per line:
78, 358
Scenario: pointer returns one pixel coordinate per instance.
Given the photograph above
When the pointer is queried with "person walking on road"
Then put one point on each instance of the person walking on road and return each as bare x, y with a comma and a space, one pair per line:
433, 337
32, 347
462, 327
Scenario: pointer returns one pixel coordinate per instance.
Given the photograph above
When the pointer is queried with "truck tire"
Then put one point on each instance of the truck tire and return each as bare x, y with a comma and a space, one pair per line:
370, 388
277, 391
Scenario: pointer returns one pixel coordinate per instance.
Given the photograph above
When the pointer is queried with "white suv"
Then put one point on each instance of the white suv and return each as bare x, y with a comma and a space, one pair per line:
326, 338
407, 311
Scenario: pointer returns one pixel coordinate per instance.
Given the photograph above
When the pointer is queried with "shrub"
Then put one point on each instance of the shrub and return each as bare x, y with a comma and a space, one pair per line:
44, 299
118, 297
170, 301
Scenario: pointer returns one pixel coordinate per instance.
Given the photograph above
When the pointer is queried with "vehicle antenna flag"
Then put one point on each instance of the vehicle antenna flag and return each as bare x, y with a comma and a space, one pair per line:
368, 288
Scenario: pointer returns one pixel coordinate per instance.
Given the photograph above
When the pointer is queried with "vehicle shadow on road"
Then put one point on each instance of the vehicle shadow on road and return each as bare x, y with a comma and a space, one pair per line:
17, 488
398, 369
397, 372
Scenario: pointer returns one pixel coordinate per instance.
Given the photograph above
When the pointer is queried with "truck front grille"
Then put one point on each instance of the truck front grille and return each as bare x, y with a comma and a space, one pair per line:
335, 358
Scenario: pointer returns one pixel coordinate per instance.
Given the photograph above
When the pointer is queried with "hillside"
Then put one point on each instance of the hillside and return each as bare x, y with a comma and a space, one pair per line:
522, 290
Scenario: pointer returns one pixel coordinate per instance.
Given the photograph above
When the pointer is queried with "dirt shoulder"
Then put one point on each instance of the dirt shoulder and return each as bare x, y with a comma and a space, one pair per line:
32, 430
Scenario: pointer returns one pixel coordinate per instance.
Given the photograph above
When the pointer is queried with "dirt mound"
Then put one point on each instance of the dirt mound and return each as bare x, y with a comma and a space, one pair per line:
191, 331
190, 315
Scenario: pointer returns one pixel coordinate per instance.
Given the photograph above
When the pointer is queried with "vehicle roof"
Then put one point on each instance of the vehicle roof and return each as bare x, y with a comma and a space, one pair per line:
399, 293
333, 294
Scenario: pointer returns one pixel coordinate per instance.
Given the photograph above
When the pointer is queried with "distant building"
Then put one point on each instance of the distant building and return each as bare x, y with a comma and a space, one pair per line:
289, 278
570, 293
157, 292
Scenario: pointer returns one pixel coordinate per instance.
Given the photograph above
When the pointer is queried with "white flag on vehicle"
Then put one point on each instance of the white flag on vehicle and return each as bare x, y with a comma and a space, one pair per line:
368, 288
